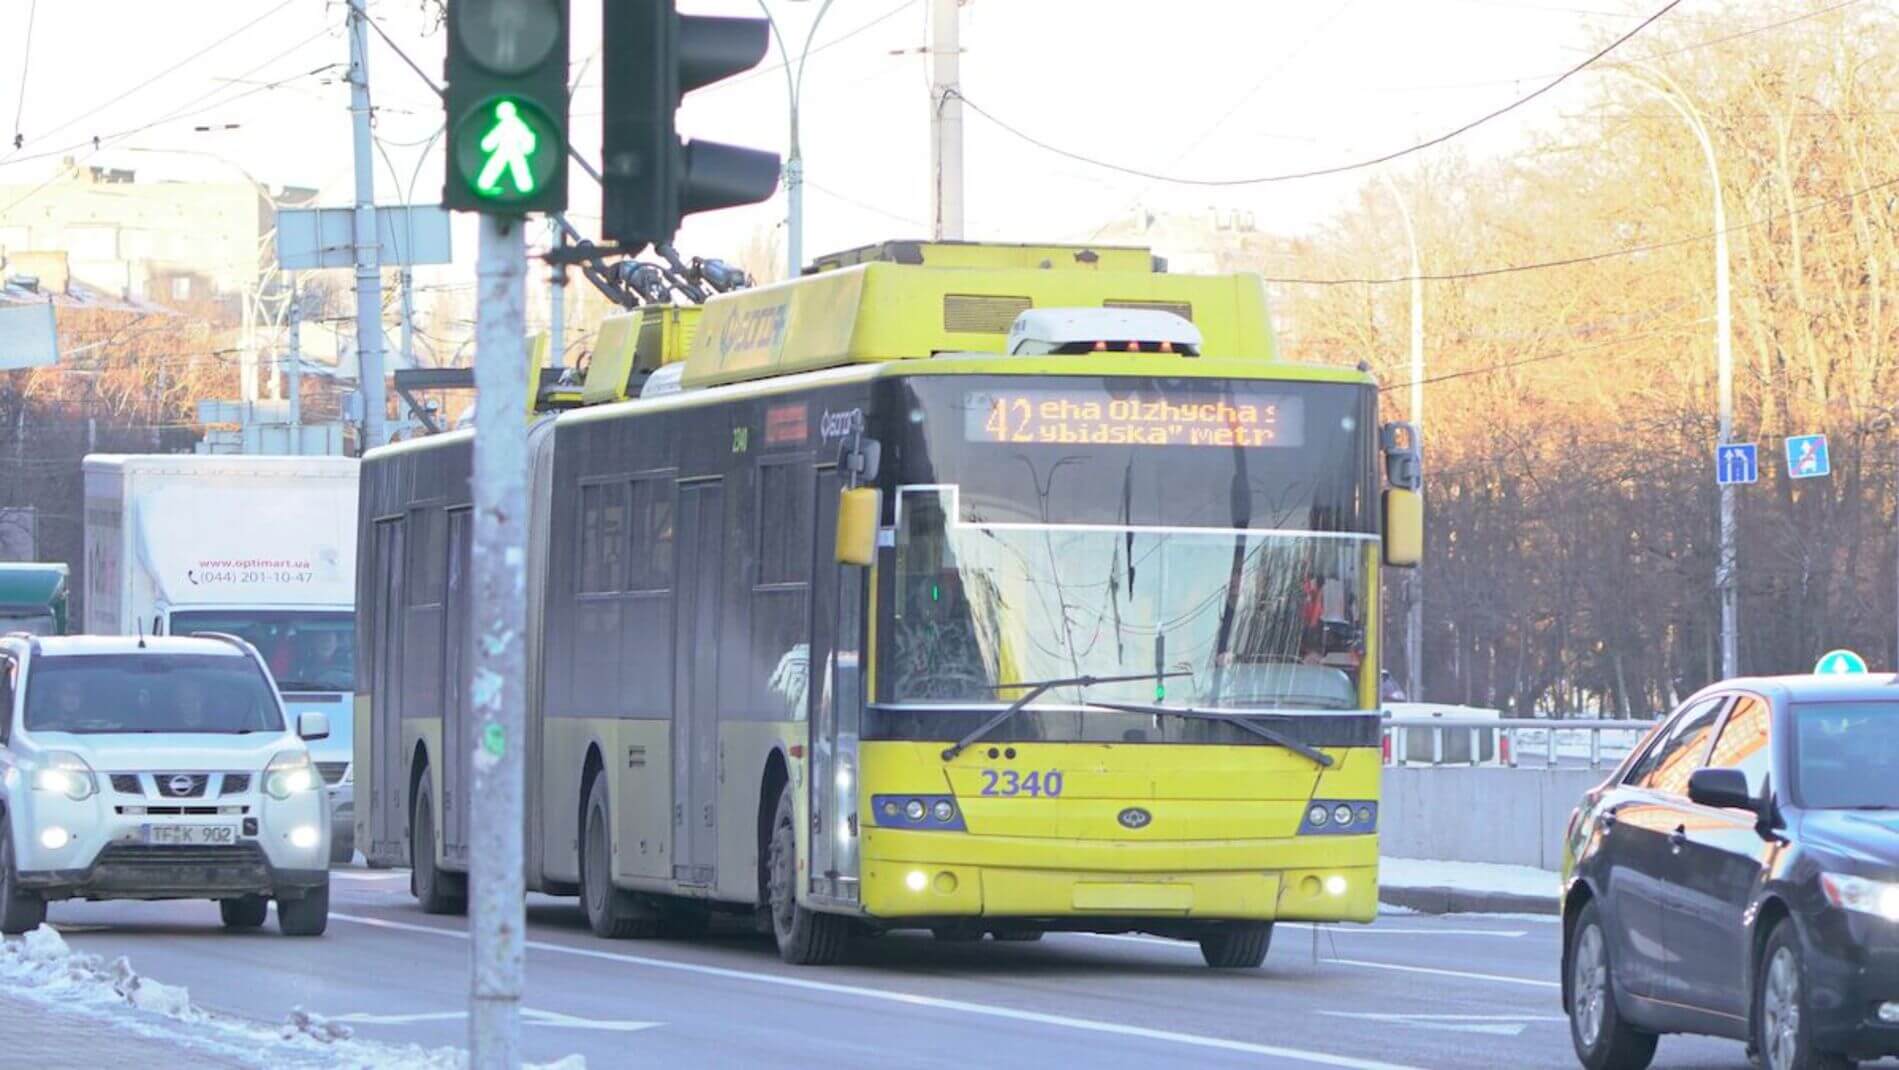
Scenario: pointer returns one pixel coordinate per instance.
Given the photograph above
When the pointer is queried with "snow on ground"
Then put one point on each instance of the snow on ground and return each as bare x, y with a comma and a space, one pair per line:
41, 967
1467, 876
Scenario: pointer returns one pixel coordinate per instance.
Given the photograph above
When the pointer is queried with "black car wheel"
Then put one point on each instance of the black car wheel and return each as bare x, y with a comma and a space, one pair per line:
20, 910
1603, 1040
306, 916
246, 912
1783, 1028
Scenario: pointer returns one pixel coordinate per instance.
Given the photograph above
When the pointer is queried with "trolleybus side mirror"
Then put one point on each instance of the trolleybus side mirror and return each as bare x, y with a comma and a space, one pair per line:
858, 510
1404, 528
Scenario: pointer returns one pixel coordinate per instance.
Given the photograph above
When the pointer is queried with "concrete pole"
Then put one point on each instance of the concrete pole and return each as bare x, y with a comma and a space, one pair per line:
1724, 569
497, 892
794, 156
1414, 580
368, 271
946, 121
408, 316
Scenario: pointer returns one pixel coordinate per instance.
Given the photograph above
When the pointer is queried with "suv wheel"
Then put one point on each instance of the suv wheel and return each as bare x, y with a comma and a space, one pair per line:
20, 910
1237, 945
611, 912
1602, 1039
246, 912
1782, 1026
307, 916
805, 937
437, 891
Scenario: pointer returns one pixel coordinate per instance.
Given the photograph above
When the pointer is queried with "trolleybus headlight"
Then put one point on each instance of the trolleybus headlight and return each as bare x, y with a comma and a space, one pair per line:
1317, 815
289, 773
1364, 815
67, 774
914, 809
1335, 885
890, 808
943, 811
1342, 814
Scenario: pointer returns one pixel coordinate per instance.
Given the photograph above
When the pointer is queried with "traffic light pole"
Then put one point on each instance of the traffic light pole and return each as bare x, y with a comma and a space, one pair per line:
497, 688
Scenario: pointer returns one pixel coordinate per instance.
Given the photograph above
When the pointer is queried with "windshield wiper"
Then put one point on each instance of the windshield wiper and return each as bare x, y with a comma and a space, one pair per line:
1037, 690
1304, 750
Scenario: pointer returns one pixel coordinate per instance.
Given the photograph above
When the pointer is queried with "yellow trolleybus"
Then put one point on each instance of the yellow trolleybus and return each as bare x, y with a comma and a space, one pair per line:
985, 590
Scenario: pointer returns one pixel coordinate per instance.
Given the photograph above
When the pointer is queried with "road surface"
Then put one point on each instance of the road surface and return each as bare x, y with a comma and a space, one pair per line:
1409, 991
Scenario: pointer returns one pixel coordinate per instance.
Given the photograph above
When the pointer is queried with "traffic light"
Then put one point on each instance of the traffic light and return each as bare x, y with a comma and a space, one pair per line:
654, 56
506, 101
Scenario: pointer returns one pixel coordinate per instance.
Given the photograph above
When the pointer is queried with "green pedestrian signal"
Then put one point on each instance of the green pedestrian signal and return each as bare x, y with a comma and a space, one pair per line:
506, 105
506, 151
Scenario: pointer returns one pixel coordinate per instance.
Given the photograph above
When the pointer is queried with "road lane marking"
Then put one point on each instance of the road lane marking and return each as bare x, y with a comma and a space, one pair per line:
1496, 977
528, 1014
1495, 1025
1439, 972
350, 875
1374, 930
986, 1010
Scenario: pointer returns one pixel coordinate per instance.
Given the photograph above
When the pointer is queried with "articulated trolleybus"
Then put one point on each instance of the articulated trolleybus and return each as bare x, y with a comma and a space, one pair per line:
985, 590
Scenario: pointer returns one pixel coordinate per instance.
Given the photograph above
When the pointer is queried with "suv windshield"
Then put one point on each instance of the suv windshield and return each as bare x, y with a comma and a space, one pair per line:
306, 651
1846, 755
95, 693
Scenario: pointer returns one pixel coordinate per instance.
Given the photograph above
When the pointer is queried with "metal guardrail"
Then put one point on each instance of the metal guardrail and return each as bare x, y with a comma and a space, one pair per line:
1492, 740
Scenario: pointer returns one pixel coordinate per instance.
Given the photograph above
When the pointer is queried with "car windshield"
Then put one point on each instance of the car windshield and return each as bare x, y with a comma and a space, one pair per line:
306, 650
1846, 755
95, 693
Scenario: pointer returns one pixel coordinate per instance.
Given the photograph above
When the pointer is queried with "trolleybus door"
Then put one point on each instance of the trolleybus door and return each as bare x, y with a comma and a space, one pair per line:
388, 823
701, 549
836, 619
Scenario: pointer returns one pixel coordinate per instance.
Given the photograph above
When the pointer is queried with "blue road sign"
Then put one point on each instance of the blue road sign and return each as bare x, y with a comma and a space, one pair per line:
1736, 462
1807, 457
1840, 663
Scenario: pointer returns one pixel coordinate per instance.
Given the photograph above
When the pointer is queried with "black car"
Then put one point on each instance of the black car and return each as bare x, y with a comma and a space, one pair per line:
1739, 876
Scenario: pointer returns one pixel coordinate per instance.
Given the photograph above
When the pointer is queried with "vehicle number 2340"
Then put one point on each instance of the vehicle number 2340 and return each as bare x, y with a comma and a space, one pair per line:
1009, 783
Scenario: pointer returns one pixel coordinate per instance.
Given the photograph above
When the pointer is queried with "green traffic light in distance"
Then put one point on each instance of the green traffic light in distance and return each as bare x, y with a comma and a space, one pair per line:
508, 145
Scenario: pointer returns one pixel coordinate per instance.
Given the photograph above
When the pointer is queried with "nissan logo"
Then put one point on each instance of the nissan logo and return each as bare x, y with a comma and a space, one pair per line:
181, 784
1134, 818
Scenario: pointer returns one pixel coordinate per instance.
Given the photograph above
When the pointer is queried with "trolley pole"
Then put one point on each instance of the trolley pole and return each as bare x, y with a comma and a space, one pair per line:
497, 690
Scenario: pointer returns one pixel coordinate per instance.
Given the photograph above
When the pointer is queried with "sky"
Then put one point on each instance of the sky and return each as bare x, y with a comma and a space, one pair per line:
1211, 88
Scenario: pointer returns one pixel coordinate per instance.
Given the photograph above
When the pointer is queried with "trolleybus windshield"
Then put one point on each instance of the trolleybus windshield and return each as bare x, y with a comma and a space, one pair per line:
1087, 527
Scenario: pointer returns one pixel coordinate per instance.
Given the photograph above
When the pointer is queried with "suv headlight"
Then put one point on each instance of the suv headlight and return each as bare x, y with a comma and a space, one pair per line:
290, 773
67, 774
1880, 898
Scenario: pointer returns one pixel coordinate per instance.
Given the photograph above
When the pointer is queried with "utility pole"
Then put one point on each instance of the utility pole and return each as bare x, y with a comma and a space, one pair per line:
497, 889
408, 316
946, 121
293, 377
557, 290
365, 238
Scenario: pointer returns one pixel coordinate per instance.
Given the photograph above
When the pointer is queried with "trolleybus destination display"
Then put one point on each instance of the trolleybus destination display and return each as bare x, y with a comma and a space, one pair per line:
1056, 417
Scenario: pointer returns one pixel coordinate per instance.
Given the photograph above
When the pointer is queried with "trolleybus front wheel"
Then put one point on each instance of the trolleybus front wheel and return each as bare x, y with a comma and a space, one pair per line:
611, 912
1239, 945
805, 937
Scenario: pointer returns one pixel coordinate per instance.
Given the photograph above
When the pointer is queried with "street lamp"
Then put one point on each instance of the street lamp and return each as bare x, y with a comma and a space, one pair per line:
1672, 94
794, 159
1414, 600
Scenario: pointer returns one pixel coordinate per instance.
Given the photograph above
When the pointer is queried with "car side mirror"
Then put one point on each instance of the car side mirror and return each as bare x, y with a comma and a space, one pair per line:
1725, 789
313, 725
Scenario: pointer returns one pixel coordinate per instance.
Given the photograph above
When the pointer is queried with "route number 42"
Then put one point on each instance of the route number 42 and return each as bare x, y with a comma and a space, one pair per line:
1010, 783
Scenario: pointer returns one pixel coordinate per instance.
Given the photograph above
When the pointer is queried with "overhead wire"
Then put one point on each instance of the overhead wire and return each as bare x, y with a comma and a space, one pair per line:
1335, 169
26, 60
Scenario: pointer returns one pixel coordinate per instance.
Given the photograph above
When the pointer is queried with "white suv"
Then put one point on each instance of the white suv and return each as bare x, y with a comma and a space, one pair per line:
157, 768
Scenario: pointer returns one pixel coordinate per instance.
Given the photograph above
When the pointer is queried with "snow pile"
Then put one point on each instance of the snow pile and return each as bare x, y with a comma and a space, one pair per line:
41, 967
1468, 876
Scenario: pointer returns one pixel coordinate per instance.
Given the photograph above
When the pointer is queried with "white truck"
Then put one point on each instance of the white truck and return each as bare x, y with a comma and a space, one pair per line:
260, 547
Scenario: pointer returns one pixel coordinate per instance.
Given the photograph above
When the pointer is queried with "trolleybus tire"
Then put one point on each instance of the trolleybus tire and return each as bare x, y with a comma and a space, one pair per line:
244, 912
438, 892
20, 910
611, 912
1238, 945
805, 937
307, 916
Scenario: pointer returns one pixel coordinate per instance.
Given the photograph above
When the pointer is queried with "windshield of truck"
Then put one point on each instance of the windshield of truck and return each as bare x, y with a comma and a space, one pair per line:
1234, 619
306, 650
97, 693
